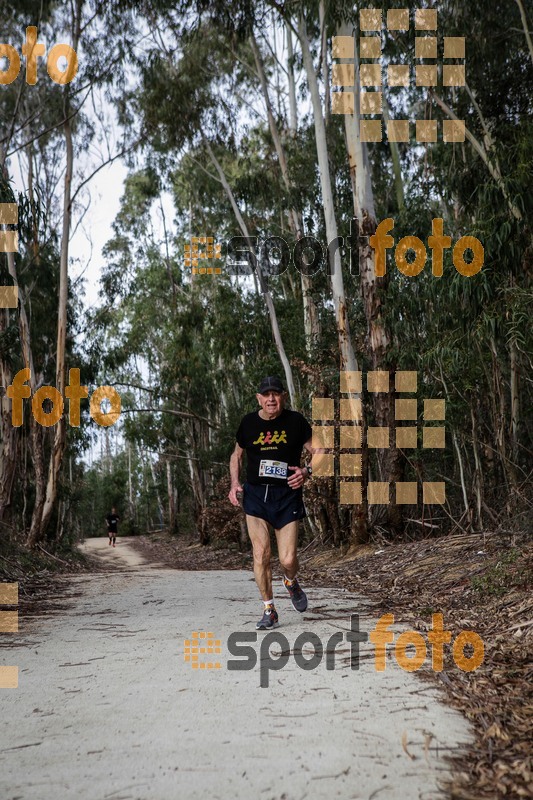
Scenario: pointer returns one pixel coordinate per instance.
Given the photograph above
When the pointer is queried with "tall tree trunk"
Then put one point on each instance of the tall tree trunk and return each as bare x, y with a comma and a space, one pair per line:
131, 507
60, 434
160, 509
171, 499
348, 359
389, 461
36, 431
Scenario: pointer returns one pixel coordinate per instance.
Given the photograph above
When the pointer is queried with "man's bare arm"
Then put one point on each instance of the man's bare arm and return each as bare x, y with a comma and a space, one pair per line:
235, 464
315, 451
300, 474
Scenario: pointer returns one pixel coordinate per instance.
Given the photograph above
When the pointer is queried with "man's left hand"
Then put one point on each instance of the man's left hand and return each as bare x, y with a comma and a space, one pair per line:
297, 479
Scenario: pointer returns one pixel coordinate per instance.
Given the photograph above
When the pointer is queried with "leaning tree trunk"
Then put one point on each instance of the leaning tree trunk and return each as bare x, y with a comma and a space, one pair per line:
311, 319
262, 282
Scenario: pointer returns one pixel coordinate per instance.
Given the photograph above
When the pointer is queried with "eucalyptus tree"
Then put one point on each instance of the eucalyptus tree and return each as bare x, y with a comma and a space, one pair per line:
47, 130
237, 153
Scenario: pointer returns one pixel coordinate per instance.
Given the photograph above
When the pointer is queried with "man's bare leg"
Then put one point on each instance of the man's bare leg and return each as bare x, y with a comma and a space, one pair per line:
287, 538
260, 538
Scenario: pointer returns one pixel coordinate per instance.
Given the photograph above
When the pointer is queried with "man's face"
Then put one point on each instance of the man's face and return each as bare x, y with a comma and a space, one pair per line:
272, 403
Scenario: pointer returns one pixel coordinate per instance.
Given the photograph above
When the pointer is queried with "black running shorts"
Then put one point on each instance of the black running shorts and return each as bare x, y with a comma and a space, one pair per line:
278, 505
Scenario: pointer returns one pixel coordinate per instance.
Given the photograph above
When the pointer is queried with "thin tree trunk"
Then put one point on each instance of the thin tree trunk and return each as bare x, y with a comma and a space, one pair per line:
324, 58
262, 283
293, 113
36, 431
130, 486
197, 486
311, 319
171, 499
8, 452
348, 359
500, 418
395, 158
515, 400
478, 475
491, 163
60, 434
525, 26
462, 477
157, 495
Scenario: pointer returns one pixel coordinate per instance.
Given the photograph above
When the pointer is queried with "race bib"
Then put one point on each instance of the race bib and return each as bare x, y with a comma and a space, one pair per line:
273, 469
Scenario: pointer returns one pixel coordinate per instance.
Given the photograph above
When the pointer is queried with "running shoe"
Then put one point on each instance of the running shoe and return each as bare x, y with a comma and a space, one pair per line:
268, 620
110, 541
298, 596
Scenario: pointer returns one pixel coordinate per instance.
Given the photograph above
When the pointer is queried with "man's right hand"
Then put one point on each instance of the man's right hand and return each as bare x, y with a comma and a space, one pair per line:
234, 500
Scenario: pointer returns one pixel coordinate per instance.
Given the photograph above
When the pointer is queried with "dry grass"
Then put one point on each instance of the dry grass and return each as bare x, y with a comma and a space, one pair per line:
479, 582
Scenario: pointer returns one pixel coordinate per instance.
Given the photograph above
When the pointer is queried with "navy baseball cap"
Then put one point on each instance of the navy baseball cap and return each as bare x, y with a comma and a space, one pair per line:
271, 384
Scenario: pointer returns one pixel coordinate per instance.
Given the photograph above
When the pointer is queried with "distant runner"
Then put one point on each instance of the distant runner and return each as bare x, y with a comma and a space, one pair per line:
112, 520
273, 438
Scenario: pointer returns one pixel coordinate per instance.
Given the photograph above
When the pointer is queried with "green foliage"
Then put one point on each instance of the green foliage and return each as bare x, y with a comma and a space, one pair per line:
500, 578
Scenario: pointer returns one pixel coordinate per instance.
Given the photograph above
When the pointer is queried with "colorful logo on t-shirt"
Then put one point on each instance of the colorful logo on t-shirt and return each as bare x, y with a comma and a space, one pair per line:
271, 438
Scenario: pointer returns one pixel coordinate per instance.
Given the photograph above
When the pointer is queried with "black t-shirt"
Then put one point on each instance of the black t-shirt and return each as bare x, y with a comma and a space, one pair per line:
112, 520
272, 445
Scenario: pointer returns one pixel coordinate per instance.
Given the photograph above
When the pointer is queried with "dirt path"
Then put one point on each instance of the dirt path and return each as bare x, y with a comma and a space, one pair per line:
123, 556
108, 708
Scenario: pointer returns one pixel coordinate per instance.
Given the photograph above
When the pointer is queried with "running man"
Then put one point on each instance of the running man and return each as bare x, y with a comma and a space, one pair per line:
273, 438
112, 520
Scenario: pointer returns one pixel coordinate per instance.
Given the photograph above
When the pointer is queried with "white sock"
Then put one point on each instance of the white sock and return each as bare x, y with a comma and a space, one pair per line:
290, 580
268, 603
